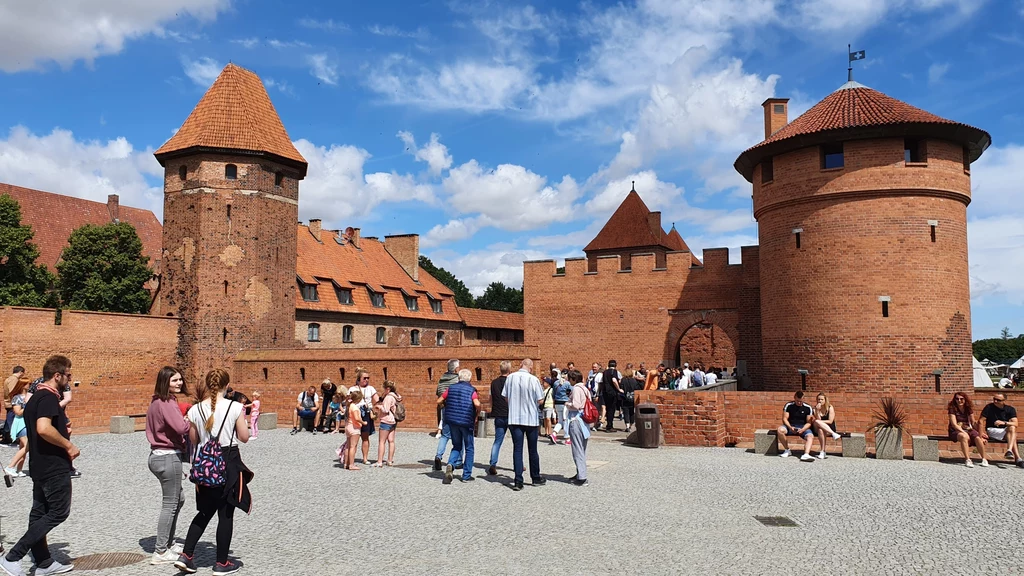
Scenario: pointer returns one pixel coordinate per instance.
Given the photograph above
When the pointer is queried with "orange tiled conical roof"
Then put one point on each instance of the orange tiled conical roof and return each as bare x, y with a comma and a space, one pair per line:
676, 243
627, 228
235, 114
856, 111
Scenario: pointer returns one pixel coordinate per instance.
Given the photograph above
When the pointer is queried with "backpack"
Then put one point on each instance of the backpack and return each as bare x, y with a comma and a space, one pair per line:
399, 411
208, 467
590, 413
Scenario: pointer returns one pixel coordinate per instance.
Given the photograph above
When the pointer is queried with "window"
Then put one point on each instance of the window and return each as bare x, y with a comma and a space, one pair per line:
264, 373
309, 293
933, 224
914, 150
440, 338
412, 303
831, 156
967, 160
376, 298
796, 232
346, 334
435, 305
344, 295
885, 305
382, 336
230, 172
479, 374
182, 172
779, 108
313, 333
767, 170
414, 337
278, 179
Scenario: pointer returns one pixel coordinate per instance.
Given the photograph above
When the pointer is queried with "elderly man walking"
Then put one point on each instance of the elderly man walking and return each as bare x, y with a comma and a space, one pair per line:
523, 391
444, 435
461, 404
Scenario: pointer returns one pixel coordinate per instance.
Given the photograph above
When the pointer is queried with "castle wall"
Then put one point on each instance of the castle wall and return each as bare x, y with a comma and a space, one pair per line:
364, 330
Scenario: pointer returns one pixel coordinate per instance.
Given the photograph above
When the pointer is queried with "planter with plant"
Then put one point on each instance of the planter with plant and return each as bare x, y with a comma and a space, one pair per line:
889, 427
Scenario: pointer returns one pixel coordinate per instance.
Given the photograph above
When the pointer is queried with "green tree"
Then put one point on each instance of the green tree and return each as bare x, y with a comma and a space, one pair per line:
999, 349
463, 297
103, 269
22, 281
1005, 333
502, 298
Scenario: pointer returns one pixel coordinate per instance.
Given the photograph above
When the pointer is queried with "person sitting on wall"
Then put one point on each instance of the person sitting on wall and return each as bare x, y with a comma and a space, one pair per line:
306, 409
797, 421
961, 428
999, 422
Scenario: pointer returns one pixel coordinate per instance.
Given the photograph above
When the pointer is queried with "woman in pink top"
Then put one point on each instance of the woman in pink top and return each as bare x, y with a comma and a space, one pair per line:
353, 428
165, 430
386, 409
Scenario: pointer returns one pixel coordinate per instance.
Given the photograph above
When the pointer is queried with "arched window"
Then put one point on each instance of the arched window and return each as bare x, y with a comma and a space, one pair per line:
440, 338
346, 334
382, 336
414, 337
313, 332
182, 172
230, 172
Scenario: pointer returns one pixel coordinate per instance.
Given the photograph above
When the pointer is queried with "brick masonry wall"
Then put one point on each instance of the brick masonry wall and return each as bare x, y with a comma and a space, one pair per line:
280, 375
364, 330
115, 357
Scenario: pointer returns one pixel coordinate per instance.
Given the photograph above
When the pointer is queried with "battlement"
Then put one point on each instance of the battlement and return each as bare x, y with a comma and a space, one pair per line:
715, 261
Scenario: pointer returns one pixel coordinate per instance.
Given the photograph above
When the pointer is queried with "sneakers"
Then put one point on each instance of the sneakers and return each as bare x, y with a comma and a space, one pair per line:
293, 433
836, 436
805, 457
470, 479
447, 474
517, 486
55, 568
568, 441
177, 548
10, 568
785, 454
554, 439
969, 464
437, 464
491, 471
229, 567
75, 473
984, 463
1008, 455
168, 557
540, 481
185, 564
580, 483
822, 455
1020, 463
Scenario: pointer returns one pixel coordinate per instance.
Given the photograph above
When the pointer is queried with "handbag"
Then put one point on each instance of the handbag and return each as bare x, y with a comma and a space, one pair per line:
590, 413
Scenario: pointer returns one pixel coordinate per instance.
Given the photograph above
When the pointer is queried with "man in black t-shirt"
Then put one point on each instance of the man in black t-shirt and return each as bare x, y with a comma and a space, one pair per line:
999, 422
796, 421
610, 391
51, 453
499, 411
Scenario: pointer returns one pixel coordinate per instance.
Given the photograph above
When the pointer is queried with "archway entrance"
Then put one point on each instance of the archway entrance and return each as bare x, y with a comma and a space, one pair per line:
706, 344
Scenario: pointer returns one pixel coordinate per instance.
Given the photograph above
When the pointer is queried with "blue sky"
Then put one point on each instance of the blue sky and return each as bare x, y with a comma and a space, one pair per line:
505, 131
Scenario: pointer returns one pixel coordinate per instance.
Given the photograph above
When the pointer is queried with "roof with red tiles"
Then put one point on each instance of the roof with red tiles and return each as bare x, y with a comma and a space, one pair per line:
362, 270
856, 111
54, 216
631, 227
476, 318
235, 114
676, 243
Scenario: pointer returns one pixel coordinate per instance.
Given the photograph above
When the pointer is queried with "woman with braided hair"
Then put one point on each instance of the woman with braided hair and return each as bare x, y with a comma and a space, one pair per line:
218, 418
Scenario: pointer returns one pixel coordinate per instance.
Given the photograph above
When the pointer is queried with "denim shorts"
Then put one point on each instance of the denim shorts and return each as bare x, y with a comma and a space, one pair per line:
790, 431
385, 427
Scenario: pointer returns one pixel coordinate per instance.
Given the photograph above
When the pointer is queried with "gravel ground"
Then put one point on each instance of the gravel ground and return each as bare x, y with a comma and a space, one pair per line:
664, 511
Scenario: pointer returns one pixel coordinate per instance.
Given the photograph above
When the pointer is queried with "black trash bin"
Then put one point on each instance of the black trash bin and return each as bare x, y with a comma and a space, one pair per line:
648, 425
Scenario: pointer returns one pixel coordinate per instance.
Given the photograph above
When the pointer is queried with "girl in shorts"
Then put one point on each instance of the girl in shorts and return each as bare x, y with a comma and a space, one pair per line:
353, 429
386, 409
548, 410
19, 397
334, 414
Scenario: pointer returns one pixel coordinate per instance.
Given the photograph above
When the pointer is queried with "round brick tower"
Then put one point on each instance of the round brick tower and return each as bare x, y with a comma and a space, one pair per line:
231, 190
861, 205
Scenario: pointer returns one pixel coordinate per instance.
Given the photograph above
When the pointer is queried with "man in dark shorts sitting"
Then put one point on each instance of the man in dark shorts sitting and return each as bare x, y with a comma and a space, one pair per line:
796, 421
999, 422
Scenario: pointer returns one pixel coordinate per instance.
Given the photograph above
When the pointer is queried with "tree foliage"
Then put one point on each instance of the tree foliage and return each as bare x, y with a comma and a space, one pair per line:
503, 298
1003, 350
463, 297
22, 281
103, 269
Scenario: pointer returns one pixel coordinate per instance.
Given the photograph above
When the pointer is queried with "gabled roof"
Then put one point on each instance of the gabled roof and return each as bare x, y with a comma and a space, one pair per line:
476, 318
676, 243
856, 111
369, 267
629, 227
54, 216
235, 115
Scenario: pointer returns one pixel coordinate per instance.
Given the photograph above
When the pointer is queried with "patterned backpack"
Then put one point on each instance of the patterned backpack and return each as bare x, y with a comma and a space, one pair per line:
208, 466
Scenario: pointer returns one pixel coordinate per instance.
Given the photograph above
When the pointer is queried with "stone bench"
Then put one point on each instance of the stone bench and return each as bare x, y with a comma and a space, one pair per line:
124, 424
267, 421
926, 447
767, 442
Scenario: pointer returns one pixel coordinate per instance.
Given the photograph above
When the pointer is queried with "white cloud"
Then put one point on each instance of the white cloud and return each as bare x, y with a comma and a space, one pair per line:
328, 25
58, 162
281, 86
322, 68
396, 32
202, 71
827, 17
247, 43
38, 31
495, 263
994, 230
433, 153
465, 85
936, 71
282, 44
453, 231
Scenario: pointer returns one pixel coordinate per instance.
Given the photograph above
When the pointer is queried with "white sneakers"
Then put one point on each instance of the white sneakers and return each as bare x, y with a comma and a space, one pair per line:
969, 464
168, 557
984, 463
836, 436
807, 458
822, 455
785, 454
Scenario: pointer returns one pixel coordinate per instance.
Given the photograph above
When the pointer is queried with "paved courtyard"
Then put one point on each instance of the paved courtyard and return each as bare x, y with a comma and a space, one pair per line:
664, 511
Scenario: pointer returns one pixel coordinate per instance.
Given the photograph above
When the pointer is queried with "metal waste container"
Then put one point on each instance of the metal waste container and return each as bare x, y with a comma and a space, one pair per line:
648, 425
481, 425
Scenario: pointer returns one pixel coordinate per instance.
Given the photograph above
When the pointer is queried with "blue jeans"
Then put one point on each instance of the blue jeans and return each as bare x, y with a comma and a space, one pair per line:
530, 432
500, 427
443, 440
462, 449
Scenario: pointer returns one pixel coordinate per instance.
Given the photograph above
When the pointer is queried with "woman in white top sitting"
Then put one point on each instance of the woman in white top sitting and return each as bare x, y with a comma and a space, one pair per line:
217, 417
824, 421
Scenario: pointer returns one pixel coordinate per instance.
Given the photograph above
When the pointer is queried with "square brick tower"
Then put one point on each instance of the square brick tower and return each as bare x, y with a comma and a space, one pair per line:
231, 191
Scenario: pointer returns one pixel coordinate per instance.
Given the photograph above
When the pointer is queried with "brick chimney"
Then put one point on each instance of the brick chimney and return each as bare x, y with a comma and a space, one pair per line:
354, 238
654, 222
314, 228
405, 249
114, 208
776, 115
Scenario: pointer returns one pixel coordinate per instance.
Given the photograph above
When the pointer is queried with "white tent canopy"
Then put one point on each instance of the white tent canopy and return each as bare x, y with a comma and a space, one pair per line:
1018, 364
981, 379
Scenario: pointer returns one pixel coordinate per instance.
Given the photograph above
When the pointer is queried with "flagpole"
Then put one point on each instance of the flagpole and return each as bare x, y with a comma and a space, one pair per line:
849, 71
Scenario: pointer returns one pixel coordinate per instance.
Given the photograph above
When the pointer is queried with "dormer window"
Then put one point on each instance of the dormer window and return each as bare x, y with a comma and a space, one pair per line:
344, 295
376, 298
412, 303
435, 305
230, 172
309, 292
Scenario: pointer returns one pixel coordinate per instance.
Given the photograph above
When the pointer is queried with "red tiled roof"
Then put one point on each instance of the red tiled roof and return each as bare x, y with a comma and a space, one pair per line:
849, 111
235, 114
628, 227
476, 318
372, 266
54, 216
676, 243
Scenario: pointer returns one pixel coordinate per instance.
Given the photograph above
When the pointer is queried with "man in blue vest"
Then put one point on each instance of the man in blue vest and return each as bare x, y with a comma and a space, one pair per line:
461, 403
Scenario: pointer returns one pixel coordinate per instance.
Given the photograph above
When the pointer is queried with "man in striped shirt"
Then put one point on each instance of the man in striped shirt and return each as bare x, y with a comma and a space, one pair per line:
523, 393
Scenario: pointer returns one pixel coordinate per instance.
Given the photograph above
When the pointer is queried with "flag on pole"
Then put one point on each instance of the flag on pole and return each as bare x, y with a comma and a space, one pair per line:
858, 55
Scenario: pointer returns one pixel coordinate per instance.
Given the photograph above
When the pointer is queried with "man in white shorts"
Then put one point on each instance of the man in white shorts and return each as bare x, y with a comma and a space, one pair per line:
999, 422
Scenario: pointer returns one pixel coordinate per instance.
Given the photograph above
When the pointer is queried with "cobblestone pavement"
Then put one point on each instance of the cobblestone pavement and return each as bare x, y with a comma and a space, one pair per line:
664, 511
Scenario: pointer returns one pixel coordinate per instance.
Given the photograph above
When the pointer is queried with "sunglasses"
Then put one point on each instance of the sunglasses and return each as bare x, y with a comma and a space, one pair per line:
999, 399
961, 399
365, 378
